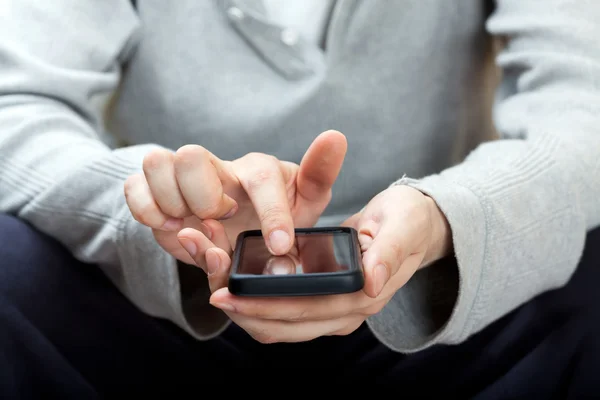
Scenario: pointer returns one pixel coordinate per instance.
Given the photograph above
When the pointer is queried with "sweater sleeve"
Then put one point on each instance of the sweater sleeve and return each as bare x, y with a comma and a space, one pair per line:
58, 60
519, 208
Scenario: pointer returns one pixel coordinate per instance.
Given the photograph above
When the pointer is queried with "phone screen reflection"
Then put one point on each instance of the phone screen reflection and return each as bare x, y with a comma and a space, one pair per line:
311, 254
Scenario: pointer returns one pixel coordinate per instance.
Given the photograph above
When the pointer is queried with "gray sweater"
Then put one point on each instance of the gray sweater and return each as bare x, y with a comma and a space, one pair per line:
408, 82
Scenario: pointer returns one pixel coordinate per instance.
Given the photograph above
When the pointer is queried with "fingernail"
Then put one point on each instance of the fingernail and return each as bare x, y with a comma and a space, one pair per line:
189, 246
213, 262
381, 277
279, 241
231, 212
206, 230
224, 306
172, 224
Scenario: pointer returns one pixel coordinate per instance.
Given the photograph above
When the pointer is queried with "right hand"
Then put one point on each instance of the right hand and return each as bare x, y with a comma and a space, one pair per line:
192, 188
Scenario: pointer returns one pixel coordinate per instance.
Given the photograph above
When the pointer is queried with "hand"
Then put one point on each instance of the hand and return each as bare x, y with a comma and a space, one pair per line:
400, 231
194, 189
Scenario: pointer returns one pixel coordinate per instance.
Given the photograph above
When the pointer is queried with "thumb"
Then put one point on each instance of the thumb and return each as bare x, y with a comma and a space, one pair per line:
320, 167
217, 260
386, 240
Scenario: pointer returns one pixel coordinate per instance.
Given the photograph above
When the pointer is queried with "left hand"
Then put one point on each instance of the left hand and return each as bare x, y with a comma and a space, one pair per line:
400, 231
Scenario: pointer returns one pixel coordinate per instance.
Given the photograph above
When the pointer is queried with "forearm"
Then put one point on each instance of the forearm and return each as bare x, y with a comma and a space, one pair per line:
518, 208
59, 175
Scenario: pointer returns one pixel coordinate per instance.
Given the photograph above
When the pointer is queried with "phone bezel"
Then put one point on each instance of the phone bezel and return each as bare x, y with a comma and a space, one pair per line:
326, 283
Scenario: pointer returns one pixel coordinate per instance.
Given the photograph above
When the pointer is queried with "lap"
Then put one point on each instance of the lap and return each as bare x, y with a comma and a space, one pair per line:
65, 316
547, 348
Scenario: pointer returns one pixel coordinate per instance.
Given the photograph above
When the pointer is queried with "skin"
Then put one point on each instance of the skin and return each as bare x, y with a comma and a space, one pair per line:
197, 204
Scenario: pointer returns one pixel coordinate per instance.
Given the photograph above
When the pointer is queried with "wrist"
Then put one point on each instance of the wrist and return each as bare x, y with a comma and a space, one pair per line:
440, 245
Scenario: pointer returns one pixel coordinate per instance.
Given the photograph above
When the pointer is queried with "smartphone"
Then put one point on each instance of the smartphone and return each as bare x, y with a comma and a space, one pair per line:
323, 261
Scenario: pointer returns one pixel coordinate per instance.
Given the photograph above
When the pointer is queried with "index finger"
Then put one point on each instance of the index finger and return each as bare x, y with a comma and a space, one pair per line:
262, 179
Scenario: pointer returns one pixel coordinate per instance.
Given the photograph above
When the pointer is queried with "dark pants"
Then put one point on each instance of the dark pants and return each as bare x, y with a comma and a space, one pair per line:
65, 332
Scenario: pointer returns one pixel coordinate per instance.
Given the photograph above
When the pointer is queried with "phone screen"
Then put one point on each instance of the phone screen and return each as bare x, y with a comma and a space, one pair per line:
311, 254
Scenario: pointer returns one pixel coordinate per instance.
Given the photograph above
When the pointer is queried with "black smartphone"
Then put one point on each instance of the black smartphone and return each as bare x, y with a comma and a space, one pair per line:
323, 261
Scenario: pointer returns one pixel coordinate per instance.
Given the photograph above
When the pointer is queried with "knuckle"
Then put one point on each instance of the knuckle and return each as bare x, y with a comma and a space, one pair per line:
206, 210
145, 214
144, 210
148, 213
263, 336
189, 154
263, 168
130, 184
345, 331
349, 329
271, 214
177, 210
260, 178
300, 316
265, 339
419, 213
371, 310
155, 160
425, 216
397, 250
